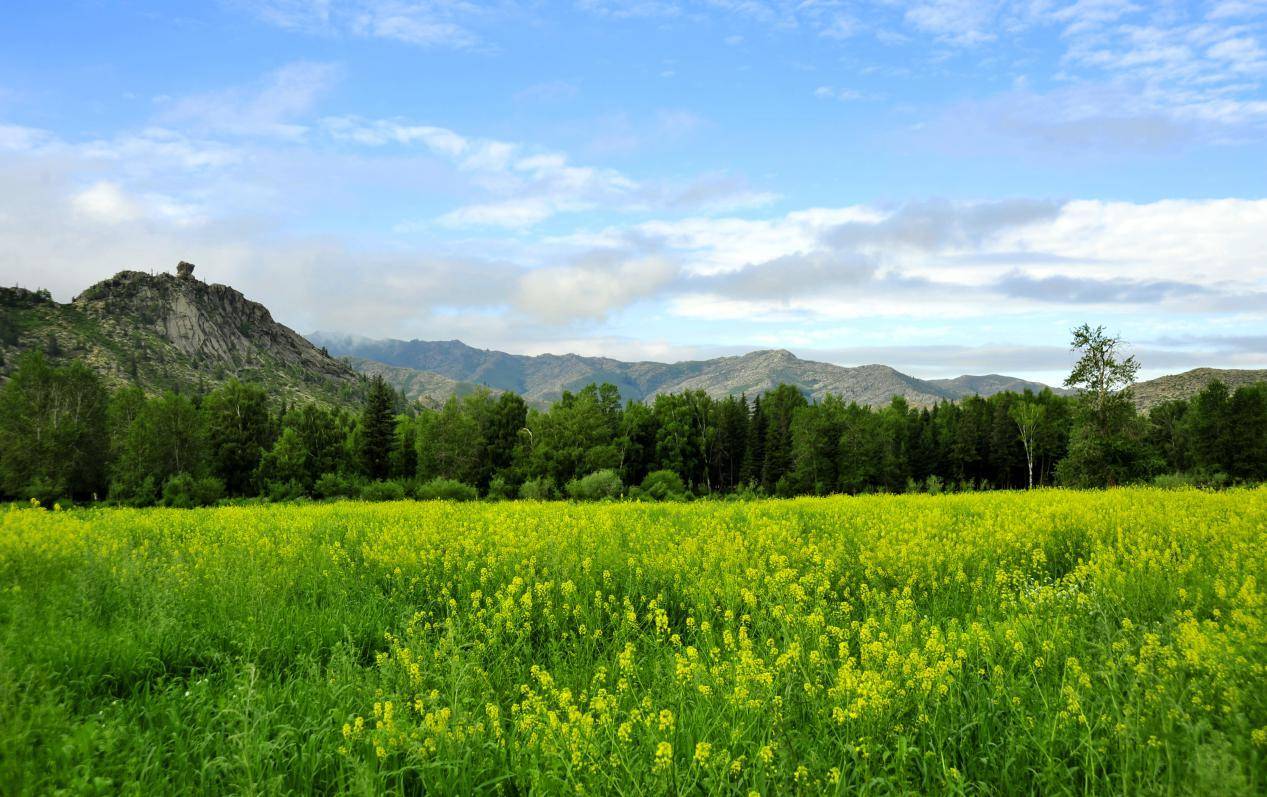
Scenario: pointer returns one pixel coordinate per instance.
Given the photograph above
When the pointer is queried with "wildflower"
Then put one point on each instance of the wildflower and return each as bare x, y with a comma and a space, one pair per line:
702, 751
663, 756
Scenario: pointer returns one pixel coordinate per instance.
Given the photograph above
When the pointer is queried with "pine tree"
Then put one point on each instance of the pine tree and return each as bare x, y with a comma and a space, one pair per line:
378, 428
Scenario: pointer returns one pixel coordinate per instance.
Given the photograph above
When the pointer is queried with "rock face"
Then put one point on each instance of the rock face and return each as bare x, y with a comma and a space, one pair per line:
176, 332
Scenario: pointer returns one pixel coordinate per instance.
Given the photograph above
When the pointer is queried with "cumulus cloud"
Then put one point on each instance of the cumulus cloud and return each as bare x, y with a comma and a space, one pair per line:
592, 288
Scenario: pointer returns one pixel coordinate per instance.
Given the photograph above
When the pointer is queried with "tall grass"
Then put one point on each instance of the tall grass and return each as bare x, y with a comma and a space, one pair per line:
1053, 642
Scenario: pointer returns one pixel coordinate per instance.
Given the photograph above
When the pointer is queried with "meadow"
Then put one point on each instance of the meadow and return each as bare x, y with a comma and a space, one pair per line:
1052, 642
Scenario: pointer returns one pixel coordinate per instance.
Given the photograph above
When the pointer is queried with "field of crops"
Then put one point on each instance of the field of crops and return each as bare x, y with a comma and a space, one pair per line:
1053, 643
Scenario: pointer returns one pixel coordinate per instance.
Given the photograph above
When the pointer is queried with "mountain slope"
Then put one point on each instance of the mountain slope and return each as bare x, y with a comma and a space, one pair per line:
543, 378
1189, 383
167, 332
989, 384
431, 389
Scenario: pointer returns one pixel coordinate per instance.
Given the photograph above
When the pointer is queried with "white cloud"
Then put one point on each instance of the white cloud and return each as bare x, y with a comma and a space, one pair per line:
844, 95
443, 24
511, 214
104, 201
268, 108
17, 137
592, 290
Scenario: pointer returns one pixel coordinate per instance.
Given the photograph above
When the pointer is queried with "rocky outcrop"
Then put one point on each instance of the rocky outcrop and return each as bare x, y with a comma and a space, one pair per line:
164, 331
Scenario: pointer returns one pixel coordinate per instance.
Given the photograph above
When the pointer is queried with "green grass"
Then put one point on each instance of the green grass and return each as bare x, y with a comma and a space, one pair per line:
1050, 643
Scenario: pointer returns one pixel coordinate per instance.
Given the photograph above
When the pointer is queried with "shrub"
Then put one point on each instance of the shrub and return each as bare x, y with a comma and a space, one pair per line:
500, 490
539, 489
183, 491
598, 486
446, 490
132, 493
383, 491
663, 485
1173, 481
335, 485
280, 491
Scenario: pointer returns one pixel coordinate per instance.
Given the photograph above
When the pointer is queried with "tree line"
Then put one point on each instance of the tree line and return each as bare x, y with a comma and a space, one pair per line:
63, 436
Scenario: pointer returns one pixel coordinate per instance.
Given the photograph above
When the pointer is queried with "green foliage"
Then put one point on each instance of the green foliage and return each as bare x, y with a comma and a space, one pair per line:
500, 490
662, 485
154, 440
184, 491
239, 431
1107, 442
1096, 643
377, 430
779, 444
383, 491
539, 489
53, 432
287, 461
441, 489
335, 485
597, 486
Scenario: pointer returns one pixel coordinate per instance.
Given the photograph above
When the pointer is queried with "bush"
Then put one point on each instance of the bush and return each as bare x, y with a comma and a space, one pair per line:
446, 490
1173, 481
183, 491
663, 485
598, 486
383, 491
335, 485
278, 491
132, 493
539, 489
1195, 479
500, 490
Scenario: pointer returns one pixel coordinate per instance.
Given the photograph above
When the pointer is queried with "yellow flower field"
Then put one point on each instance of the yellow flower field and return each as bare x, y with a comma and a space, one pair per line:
1052, 642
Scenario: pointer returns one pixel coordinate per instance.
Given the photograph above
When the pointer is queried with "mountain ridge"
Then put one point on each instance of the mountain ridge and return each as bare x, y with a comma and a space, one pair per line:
172, 332
1151, 392
542, 378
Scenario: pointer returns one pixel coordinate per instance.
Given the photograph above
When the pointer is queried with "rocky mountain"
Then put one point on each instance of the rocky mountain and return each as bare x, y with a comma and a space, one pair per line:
543, 378
989, 384
1189, 383
164, 331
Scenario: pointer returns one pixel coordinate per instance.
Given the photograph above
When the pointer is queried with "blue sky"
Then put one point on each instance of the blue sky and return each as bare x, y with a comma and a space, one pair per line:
943, 186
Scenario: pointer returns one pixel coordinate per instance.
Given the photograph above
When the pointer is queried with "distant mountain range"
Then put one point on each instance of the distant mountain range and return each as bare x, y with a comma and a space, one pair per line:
165, 331
543, 378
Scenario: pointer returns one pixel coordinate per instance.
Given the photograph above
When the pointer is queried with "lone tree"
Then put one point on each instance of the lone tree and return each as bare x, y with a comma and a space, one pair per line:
1100, 374
1106, 443
1028, 415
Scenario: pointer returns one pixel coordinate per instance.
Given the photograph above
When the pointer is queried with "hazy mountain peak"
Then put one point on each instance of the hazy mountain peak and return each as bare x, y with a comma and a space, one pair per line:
543, 378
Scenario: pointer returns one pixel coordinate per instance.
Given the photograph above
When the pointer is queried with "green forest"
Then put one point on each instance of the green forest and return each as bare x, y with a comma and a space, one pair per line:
64, 438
